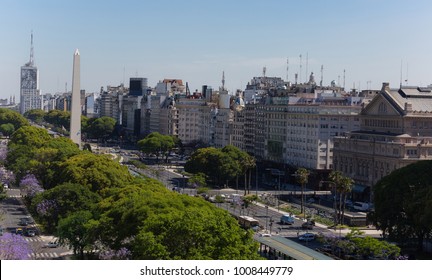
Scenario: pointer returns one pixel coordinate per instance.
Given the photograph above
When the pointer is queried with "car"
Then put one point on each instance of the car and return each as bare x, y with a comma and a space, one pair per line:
31, 232
19, 231
265, 235
307, 237
23, 223
286, 220
52, 244
307, 225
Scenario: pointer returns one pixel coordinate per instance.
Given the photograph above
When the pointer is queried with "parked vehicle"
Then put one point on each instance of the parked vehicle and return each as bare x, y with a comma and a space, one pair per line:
307, 225
52, 244
31, 232
361, 206
19, 231
286, 220
307, 237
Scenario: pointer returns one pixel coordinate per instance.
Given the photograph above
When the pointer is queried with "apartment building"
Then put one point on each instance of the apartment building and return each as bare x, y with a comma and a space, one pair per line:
296, 126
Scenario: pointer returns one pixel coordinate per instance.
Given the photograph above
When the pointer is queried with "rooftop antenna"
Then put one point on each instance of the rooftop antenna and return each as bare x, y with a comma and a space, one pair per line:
223, 80
31, 51
339, 80
322, 71
344, 79
406, 80
400, 82
307, 62
287, 69
300, 68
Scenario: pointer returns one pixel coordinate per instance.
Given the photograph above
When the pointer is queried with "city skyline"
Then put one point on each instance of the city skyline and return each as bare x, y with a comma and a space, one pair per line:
373, 42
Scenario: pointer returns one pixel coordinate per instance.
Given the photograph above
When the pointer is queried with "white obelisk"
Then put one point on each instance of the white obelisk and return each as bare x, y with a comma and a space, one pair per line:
75, 120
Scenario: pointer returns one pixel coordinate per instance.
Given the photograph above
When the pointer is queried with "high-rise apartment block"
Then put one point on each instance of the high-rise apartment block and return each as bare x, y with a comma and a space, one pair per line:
29, 87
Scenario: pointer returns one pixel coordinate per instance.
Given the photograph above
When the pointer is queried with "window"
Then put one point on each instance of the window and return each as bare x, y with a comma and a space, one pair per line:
382, 108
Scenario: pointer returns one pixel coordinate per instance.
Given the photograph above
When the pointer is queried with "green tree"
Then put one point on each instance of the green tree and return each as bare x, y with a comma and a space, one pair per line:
158, 144
343, 187
166, 225
347, 185
217, 165
7, 129
302, 175
98, 172
22, 148
197, 180
101, 128
78, 231
68, 198
30, 136
13, 117
59, 119
403, 203
36, 115
238, 158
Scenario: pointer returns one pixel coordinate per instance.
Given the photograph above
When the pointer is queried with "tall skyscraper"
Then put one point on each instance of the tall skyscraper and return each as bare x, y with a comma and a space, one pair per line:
29, 88
75, 123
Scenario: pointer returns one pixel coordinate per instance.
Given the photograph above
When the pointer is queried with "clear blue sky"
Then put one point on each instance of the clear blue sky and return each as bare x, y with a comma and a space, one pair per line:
196, 40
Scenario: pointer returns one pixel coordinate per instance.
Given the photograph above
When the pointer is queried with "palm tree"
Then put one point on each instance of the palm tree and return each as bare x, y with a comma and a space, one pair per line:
347, 184
249, 164
302, 175
343, 186
336, 177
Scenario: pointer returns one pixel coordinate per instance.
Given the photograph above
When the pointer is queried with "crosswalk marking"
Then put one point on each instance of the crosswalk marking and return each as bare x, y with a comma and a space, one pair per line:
33, 239
43, 255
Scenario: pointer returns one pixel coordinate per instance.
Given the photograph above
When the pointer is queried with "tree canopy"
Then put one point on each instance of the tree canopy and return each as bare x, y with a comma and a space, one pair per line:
158, 224
158, 144
36, 115
403, 203
98, 172
220, 165
99, 128
12, 117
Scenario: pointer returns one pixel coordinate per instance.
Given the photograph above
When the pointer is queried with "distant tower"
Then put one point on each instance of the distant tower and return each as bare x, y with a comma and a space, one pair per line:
75, 123
223, 80
322, 74
300, 69
29, 88
287, 70
344, 80
307, 62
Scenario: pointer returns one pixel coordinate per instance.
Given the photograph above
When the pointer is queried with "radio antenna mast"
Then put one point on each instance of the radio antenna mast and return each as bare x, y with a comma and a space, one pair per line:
300, 69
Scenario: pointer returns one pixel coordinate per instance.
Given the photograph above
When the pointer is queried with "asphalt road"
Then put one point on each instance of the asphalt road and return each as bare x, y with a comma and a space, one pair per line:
13, 210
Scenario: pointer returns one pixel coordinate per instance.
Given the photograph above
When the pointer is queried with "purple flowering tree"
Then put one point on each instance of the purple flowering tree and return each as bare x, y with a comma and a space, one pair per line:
8, 177
14, 247
30, 185
3, 154
46, 207
121, 254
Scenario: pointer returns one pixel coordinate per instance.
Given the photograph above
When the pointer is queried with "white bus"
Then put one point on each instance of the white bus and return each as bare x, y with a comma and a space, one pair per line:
248, 222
